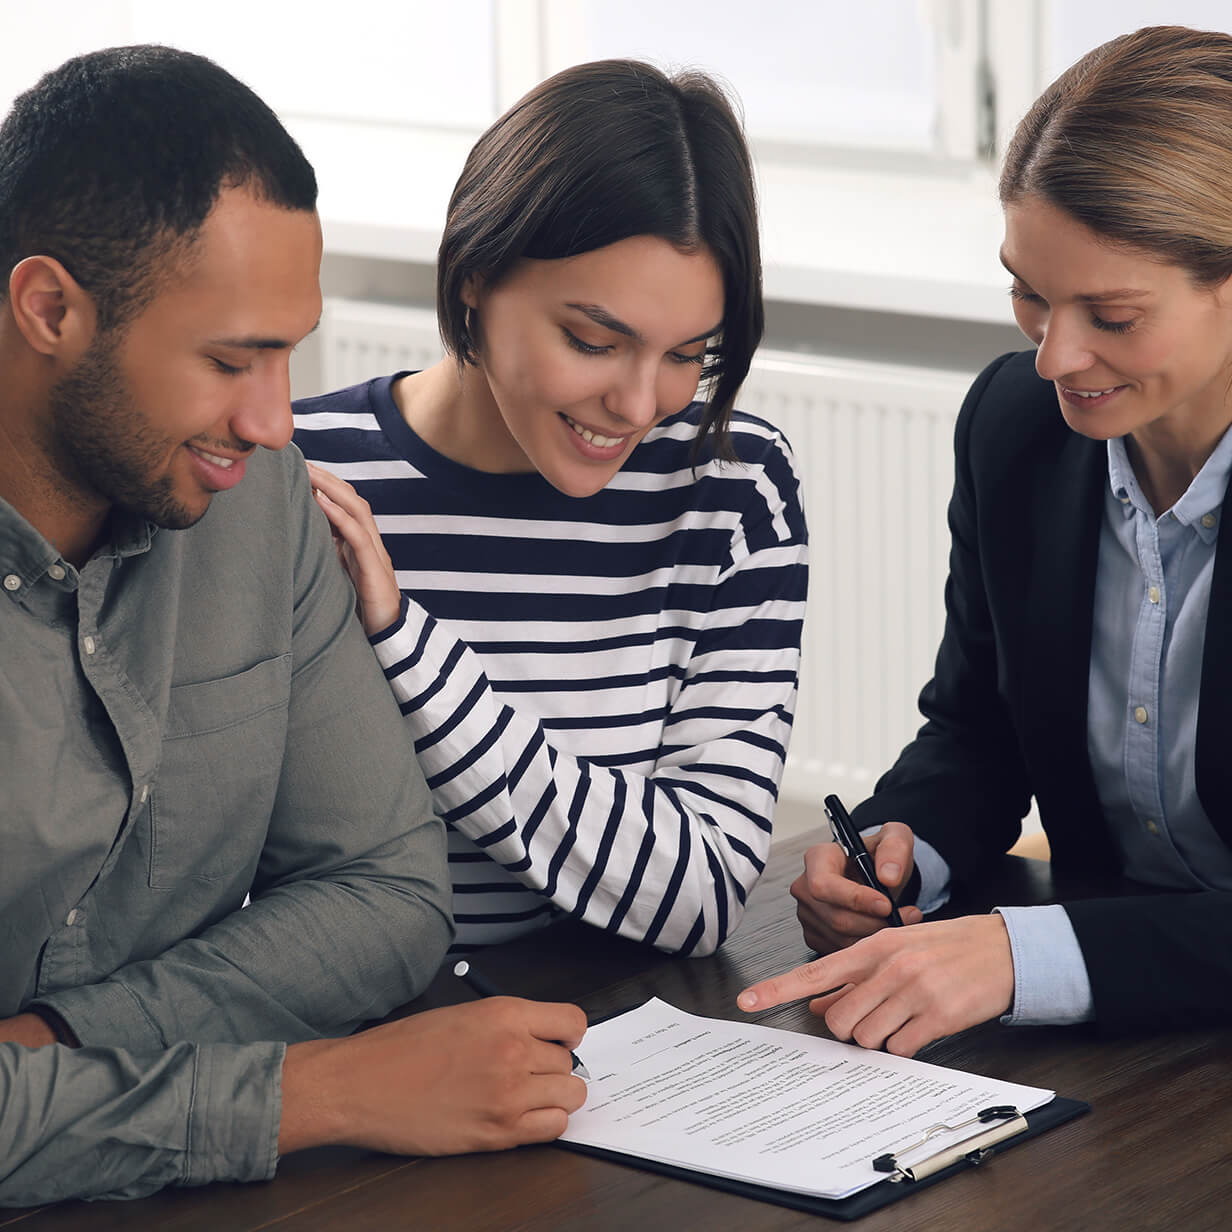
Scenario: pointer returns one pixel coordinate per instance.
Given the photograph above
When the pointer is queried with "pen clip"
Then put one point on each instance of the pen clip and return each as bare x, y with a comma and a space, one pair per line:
837, 831
974, 1148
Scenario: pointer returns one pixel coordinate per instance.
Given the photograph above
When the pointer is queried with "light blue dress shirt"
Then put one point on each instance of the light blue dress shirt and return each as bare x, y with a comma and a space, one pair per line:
1152, 589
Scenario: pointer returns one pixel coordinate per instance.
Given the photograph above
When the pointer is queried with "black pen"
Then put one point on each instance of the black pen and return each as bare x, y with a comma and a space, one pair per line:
849, 839
479, 984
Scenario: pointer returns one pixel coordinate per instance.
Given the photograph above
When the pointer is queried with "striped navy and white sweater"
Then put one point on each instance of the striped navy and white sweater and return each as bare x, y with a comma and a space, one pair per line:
600, 690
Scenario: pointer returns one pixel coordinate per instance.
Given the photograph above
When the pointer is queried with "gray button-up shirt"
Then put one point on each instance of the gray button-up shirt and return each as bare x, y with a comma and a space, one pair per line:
194, 717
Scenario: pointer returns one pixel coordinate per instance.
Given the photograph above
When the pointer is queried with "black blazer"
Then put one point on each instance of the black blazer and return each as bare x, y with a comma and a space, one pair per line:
1006, 711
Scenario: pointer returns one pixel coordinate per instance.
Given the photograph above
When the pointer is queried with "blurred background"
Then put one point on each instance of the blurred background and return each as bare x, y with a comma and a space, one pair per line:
876, 128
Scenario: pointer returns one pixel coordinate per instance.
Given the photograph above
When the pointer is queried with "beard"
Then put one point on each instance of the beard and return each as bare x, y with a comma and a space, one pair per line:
103, 446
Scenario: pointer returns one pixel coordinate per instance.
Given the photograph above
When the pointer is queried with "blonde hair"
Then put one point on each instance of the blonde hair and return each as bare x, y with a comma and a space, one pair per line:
1135, 142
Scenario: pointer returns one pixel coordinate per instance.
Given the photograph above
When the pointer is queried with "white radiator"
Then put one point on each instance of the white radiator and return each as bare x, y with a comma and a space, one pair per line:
874, 443
360, 341
874, 447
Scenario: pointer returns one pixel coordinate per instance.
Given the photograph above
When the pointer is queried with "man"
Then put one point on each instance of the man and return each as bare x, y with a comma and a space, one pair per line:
189, 712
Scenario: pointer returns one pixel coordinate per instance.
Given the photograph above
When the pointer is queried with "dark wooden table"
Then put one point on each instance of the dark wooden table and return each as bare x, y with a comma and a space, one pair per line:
1154, 1153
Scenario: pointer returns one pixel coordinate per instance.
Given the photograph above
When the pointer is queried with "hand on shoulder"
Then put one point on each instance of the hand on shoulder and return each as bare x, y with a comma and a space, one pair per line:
360, 549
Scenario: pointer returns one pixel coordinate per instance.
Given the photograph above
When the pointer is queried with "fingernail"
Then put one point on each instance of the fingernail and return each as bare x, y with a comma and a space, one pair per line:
891, 871
747, 1000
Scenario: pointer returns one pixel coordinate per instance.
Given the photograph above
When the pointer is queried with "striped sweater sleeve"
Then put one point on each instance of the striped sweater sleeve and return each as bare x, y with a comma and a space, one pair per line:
667, 857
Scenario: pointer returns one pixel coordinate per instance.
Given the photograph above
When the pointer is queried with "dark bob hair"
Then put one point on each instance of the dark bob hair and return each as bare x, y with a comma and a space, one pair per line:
597, 154
112, 162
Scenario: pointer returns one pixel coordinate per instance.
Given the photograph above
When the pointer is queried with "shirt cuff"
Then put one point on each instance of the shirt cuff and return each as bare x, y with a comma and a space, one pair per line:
934, 872
106, 1014
1051, 985
236, 1113
391, 630
55, 1024
934, 877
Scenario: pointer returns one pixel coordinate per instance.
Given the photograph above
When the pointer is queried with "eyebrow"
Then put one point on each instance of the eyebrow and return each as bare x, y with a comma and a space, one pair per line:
1097, 297
254, 342
600, 316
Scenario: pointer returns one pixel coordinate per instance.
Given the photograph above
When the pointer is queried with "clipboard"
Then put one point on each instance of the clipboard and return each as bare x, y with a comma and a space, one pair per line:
1056, 1112
995, 1130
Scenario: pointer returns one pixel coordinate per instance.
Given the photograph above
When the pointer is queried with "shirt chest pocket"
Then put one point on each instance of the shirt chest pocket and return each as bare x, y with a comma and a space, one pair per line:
218, 778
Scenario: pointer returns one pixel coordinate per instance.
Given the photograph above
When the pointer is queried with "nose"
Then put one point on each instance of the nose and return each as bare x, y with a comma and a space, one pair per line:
264, 418
635, 399
1063, 348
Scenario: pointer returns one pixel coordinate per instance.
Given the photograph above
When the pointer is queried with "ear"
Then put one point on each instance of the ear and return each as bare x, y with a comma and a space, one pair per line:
55, 315
471, 289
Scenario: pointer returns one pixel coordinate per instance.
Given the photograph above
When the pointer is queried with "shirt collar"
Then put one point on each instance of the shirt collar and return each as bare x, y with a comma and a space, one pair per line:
24, 553
1122, 479
130, 534
1198, 507
27, 556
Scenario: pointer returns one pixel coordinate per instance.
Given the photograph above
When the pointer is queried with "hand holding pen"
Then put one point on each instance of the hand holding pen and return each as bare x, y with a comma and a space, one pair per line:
477, 1076
479, 983
847, 888
852, 842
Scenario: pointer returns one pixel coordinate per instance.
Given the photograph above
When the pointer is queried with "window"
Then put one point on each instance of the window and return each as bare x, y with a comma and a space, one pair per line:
815, 74
876, 126
1070, 30
362, 61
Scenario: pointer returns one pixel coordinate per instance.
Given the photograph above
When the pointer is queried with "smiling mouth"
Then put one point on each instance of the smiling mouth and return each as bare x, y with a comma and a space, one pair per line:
225, 463
593, 438
1090, 393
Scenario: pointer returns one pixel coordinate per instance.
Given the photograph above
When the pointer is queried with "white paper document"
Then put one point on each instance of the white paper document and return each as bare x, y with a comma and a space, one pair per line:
758, 1104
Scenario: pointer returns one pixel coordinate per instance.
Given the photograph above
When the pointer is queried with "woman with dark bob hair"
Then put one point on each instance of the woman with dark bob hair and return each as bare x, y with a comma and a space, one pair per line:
1086, 658
585, 587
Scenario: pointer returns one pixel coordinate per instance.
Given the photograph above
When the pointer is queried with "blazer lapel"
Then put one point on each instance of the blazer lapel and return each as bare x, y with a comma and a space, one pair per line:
1213, 753
1064, 525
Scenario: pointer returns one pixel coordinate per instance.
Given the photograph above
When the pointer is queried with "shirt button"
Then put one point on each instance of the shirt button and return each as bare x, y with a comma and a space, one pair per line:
12, 582
1151, 827
56, 573
1153, 594
145, 793
1208, 520
87, 644
71, 918
1140, 714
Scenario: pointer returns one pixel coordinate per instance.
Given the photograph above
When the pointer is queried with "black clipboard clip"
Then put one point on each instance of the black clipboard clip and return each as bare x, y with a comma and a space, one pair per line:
974, 1148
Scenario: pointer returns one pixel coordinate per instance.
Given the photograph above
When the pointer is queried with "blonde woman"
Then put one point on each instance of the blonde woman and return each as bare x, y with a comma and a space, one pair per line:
1086, 658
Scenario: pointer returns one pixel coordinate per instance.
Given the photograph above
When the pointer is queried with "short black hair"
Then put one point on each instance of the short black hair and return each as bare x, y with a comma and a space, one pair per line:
594, 155
115, 159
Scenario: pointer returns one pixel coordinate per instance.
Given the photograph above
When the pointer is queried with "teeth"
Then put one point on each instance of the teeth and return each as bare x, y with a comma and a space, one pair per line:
225, 463
592, 438
1091, 393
